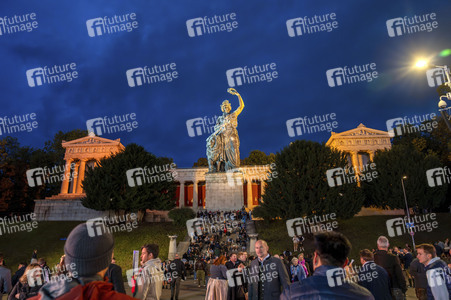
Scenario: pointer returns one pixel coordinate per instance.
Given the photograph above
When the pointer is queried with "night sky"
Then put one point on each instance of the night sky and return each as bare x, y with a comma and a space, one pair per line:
260, 36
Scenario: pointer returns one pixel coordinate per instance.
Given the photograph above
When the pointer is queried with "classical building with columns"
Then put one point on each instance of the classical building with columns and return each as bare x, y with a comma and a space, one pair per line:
360, 144
80, 154
191, 189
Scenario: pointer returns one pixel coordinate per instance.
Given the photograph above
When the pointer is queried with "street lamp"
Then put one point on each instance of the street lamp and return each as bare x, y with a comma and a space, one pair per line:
407, 210
442, 103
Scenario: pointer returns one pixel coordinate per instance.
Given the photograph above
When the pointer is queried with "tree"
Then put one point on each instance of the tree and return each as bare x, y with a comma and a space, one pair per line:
257, 157
201, 162
403, 160
301, 187
108, 187
15, 193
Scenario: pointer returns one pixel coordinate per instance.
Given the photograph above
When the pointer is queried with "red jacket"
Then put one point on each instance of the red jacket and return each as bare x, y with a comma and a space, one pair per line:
92, 290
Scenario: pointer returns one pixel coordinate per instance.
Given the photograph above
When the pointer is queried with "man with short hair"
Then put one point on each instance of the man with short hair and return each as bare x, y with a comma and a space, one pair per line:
90, 257
152, 274
392, 265
407, 258
271, 269
330, 257
45, 269
373, 277
437, 273
5, 277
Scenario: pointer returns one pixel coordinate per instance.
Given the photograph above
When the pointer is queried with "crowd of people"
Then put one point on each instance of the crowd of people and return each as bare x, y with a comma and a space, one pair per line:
220, 264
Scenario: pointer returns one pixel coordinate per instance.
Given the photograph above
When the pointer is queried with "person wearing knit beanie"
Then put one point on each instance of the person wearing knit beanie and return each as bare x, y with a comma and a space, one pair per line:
87, 256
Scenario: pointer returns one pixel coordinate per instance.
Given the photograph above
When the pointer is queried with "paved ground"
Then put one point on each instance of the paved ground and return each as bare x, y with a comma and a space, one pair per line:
190, 291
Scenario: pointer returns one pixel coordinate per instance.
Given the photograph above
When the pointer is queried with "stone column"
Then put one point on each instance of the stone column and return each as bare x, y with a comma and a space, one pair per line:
371, 153
65, 183
75, 179
195, 195
250, 202
182, 195
81, 176
172, 247
262, 187
252, 241
355, 161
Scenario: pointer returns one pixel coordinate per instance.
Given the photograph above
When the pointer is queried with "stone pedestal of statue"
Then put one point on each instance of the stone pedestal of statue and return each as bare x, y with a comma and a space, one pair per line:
224, 191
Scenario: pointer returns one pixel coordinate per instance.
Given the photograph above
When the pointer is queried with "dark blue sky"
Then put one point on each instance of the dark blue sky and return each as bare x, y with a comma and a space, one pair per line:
162, 109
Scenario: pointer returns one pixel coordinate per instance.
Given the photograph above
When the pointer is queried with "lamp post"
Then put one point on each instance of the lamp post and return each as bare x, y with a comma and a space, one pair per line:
408, 212
442, 103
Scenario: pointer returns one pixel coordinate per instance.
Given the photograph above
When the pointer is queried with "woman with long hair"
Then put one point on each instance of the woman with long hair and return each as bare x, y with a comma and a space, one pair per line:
217, 284
29, 284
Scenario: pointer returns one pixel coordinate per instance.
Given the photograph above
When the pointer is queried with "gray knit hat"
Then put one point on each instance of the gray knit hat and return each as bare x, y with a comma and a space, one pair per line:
90, 254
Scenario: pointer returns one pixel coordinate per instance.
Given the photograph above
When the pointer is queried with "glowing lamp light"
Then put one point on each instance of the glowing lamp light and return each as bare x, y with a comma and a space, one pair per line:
421, 63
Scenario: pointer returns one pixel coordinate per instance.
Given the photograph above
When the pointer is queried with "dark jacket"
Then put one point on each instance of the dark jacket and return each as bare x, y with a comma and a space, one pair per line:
439, 280
271, 288
391, 264
317, 287
231, 265
419, 274
408, 257
114, 275
24, 290
17, 275
375, 279
5, 280
176, 268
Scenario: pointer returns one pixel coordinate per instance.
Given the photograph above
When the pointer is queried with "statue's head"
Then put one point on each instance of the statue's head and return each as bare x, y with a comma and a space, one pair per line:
225, 106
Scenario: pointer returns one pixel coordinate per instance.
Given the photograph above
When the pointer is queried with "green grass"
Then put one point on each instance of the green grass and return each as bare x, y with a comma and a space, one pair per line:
361, 231
46, 237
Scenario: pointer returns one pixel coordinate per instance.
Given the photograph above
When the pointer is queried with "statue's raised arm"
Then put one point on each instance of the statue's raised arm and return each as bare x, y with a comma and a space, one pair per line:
240, 108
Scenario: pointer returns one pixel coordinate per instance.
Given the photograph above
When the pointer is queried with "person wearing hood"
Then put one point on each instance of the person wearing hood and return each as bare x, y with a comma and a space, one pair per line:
151, 275
88, 257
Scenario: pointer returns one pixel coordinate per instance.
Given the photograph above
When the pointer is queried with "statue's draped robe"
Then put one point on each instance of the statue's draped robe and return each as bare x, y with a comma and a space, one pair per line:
230, 141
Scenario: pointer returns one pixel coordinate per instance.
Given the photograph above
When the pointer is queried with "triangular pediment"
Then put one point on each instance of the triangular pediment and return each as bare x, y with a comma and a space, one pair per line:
91, 140
360, 132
